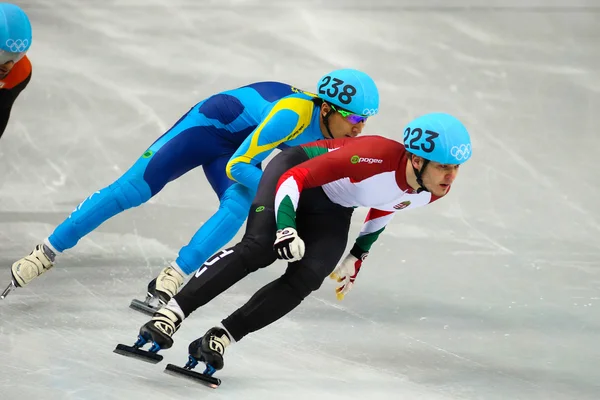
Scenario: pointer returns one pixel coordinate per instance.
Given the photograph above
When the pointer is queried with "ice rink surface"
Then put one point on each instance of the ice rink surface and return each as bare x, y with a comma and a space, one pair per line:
492, 293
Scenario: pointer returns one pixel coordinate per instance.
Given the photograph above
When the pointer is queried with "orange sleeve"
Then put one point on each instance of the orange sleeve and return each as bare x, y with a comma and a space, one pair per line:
17, 74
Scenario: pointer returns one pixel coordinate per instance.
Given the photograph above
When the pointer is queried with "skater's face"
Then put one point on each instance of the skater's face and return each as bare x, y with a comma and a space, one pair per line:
437, 177
5, 68
341, 123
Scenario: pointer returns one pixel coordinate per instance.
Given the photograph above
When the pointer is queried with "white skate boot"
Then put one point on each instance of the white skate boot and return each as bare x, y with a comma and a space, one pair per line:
162, 288
168, 283
40, 260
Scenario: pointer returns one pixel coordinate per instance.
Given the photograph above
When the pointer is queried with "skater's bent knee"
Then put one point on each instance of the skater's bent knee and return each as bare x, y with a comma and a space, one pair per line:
130, 192
236, 200
304, 282
255, 253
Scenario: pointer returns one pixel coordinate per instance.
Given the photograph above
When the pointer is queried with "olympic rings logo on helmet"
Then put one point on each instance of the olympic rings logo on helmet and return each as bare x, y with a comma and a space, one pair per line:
18, 45
369, 112
461, 152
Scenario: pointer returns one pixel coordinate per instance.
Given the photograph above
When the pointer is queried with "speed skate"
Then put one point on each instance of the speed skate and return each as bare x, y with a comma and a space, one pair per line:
151, 303
206, 378
136, 351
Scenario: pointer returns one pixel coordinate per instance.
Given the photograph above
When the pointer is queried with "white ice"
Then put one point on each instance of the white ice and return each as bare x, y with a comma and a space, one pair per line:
489, 294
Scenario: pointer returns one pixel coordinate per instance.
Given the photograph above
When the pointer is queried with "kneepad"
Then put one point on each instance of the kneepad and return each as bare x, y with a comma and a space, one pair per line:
130, 192
105, 203
304, 281
237, 200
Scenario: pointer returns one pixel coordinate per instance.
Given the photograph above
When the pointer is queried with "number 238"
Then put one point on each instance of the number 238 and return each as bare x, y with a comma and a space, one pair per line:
344, 96
412, 137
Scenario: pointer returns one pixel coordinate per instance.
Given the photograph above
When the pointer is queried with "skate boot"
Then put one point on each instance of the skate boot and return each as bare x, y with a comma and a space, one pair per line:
208, 349
168, 283
40, 260
160, 290
159, 330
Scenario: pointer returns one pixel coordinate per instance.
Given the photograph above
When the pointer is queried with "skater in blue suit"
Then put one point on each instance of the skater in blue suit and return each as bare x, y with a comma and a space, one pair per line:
229, 134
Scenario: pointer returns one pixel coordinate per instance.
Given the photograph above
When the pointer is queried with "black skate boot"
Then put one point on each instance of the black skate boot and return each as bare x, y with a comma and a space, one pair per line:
208, 349
159, 330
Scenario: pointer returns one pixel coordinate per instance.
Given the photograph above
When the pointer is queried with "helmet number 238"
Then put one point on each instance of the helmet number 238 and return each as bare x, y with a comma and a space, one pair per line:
413, 141
344, 96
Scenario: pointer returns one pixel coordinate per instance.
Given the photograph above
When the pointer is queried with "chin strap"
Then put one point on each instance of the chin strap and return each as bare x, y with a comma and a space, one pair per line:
326, 122
418, 174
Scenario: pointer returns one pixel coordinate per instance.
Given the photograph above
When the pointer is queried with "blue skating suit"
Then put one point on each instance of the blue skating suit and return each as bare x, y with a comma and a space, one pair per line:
228, 134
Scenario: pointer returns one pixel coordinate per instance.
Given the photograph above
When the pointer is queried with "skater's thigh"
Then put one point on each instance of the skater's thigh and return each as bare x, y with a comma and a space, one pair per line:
217, 176
184, 147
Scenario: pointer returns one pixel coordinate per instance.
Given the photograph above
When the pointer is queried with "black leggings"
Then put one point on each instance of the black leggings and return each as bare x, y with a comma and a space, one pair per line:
7, 99
322, 225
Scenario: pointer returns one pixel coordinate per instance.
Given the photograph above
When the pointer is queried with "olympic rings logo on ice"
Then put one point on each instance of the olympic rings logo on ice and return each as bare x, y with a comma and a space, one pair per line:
369, 112
461, 152
17, 46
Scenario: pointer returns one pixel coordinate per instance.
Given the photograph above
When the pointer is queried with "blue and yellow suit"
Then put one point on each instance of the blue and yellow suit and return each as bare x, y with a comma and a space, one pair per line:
229, 135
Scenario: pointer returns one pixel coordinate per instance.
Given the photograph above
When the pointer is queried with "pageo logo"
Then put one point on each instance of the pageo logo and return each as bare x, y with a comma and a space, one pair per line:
357, 159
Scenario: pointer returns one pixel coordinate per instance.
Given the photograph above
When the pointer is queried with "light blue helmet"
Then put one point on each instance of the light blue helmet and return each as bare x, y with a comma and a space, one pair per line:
438, 137
15, 33
351, 90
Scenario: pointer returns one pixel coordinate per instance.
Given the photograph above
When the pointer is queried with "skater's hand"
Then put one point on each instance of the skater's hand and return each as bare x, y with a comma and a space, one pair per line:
288, 245
346, 272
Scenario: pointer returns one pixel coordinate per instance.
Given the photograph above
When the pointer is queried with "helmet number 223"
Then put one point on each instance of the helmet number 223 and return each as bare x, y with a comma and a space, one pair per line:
344, 96
416, 143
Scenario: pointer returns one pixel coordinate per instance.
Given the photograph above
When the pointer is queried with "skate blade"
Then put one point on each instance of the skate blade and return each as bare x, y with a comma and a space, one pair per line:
143, 307
206, 380
140, 354
11, 286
